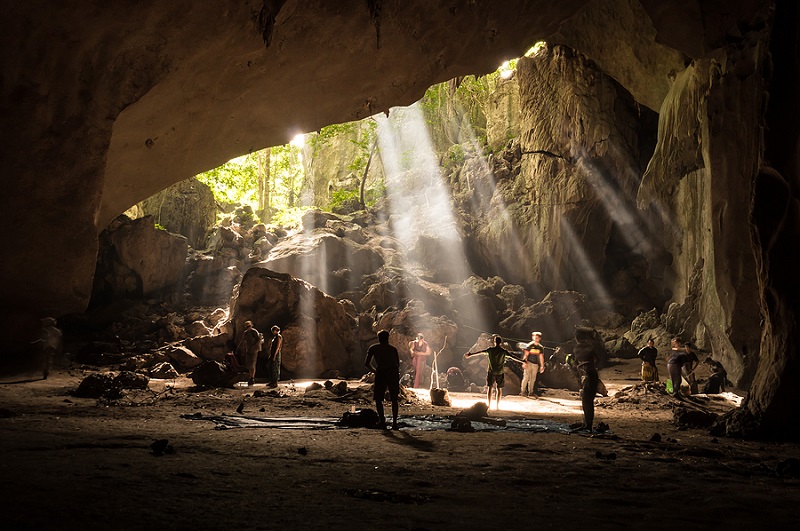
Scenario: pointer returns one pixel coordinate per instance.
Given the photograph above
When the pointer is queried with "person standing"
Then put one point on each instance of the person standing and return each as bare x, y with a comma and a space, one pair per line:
49, 343
387, 375
676, 359
419, 351
274, 356
252, 341
495, 373
692, 360
532, 364
586, 356
648, 354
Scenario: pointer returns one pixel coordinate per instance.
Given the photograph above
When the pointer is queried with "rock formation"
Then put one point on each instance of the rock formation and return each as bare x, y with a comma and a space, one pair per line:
186, 208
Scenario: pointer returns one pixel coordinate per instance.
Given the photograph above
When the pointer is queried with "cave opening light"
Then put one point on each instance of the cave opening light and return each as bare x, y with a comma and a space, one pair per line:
421, 212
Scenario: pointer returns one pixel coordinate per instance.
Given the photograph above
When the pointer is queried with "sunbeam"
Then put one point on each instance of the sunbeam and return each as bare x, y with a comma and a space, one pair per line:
421, 212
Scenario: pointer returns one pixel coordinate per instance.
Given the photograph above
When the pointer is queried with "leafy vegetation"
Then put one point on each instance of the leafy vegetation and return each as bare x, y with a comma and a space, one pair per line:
235, 181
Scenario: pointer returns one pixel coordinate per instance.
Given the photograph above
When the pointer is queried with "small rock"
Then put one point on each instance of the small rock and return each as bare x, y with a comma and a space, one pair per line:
161, 447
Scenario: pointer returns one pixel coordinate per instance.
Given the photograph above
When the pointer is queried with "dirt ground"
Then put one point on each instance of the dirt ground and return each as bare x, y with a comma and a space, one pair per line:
76, 463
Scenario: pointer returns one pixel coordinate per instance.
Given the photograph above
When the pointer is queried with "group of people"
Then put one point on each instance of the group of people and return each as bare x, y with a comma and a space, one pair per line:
682, 361
585, 353
384, 360
251, 348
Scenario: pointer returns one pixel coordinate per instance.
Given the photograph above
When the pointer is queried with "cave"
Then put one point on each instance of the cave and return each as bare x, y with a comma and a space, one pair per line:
109, 104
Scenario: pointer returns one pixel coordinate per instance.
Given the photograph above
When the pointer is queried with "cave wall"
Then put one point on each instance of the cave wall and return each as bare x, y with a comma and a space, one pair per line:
550, 224
701, 178
771, 407
187, 208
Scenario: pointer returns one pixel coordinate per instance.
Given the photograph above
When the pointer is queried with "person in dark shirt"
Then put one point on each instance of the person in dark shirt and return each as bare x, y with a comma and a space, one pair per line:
648, 354
274, 356
586, 356
387, 375
717, 380
532, 365
495, 374
677, 357
688, 368
252, 340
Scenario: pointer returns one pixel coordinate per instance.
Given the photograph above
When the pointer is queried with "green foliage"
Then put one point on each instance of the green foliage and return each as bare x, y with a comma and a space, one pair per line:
160, 227
455, 154
286, 175
235, 181
368, 134
289, 217
343, 196
374, 193
327, 133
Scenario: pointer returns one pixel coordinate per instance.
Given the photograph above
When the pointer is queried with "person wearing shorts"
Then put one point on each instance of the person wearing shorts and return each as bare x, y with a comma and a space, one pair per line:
495, 374
387, 375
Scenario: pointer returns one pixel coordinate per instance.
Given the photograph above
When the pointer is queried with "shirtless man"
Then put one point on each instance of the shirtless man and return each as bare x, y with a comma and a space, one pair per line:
387, 375
495, 373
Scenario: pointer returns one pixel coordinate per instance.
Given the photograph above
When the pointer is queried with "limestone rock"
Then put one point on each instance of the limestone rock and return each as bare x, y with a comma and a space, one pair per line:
183, 358
210, 347
132, 380
318, 334
186, 208
313, 256
215, 374
154, 256
164, 371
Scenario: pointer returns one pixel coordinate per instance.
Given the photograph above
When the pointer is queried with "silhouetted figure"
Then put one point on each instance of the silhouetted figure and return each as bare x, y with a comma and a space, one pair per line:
49, 344
586, 356
251, 341
387, 375
495, 373
676, 359
688, 368
274, 357
718, 379
648, 354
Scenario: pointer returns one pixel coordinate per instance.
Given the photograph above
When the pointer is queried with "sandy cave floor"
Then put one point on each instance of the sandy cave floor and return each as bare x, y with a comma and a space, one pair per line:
73, 463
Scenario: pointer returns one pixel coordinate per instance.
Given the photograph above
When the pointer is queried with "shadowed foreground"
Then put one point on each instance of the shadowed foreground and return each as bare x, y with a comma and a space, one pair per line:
72, 463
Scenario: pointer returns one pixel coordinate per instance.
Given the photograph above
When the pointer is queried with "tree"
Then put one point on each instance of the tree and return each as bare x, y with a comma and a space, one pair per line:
264, 210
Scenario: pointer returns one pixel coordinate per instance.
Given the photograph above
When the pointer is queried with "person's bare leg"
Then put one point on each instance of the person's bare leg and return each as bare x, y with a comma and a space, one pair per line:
499, 396
379, 409
489, 398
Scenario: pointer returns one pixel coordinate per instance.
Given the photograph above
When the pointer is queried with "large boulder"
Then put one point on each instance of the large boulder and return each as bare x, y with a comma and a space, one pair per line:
137, 259
186, 208
213, 280
319, 335
413, 318
556, 316
321, 257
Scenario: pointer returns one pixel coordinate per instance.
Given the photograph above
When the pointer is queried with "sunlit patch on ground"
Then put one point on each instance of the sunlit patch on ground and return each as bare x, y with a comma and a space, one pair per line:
512, 403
